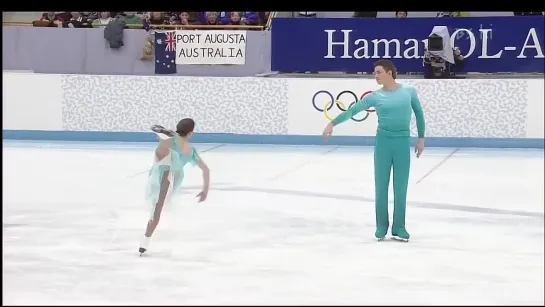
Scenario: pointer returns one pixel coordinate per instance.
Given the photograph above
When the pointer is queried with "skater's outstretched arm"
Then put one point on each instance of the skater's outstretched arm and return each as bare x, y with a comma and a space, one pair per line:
364, 104
206, 178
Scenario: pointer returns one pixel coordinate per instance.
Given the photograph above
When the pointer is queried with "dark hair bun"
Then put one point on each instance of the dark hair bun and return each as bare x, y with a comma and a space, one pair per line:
185, 126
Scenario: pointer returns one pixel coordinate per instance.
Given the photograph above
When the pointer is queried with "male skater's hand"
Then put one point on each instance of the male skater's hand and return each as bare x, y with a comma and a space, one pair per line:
202, 195
328, 130
419, 147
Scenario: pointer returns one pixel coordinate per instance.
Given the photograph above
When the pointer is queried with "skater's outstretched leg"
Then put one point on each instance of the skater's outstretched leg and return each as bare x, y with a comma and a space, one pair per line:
161, 153
154, 221
152, 224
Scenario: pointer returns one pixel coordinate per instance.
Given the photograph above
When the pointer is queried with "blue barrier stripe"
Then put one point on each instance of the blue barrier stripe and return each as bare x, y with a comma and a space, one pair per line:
229, 138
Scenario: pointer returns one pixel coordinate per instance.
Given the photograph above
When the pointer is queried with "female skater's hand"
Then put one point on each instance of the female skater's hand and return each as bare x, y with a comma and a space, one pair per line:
202, 195
419, 147
328, 130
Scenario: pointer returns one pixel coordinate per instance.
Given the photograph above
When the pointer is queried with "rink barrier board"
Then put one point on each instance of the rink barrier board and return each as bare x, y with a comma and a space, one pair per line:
499, 113
228, 138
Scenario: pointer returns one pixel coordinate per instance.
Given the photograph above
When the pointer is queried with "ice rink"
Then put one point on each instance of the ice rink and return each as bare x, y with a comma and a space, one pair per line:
282, 225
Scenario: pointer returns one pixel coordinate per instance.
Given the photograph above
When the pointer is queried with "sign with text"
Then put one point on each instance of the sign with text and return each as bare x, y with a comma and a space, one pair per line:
489, 44
210, 47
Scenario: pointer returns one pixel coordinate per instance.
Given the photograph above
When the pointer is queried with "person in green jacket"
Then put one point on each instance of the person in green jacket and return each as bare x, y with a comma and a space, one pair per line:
393, 104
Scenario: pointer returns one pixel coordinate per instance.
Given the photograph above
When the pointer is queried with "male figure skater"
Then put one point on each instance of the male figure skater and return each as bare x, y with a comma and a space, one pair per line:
393, 104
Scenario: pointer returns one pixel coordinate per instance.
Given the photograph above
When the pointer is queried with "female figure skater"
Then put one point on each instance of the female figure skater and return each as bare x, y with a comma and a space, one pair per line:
167, 173
393, 104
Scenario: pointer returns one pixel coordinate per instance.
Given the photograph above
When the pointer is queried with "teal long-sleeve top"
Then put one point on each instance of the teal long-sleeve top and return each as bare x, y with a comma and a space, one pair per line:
393, 108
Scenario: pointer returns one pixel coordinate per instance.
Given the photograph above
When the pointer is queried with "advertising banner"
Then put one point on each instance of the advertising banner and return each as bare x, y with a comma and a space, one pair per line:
489, 44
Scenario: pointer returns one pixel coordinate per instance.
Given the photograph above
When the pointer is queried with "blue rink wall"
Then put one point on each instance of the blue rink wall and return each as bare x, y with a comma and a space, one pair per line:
223, 138
499, 113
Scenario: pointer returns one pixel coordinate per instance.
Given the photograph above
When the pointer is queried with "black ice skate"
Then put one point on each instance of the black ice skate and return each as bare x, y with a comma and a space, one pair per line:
144, 245
141, 250
162, 132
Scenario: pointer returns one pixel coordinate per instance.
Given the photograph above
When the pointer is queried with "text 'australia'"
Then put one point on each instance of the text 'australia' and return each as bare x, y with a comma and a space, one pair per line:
204, 52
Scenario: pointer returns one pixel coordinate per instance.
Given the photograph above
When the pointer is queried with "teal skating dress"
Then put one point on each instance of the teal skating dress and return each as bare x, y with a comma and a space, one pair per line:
174, 162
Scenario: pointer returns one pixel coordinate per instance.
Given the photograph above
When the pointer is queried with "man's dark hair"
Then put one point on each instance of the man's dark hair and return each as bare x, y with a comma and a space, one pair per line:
388, 66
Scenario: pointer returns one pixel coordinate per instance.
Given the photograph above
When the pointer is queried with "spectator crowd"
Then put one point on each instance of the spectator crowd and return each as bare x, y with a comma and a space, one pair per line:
143, 19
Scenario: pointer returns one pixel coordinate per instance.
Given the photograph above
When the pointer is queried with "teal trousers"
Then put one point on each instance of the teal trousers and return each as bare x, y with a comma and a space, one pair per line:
391, 153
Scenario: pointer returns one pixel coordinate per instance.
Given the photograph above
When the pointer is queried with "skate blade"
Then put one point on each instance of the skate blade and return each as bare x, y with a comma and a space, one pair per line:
396, 238
157, 128
162, 132
380, 239
141, 250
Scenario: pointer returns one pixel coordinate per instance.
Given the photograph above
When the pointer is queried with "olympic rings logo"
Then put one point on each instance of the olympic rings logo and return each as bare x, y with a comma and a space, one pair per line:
340, 105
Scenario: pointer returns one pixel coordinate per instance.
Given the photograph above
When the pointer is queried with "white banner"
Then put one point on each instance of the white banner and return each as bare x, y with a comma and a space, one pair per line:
210, 47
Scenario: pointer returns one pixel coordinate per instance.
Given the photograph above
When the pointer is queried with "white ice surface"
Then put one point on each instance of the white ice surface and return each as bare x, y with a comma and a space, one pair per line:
282, 225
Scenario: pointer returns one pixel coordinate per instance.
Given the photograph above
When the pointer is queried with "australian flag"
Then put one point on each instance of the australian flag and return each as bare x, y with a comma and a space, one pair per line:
165, 52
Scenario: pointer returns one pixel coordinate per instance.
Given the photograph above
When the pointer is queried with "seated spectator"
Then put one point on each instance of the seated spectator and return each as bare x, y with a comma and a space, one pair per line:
51, 17
180, 19
103, 20
91, 16
401, 14
131, 19
78, 21
158, 18
65, 16
212, 18
168, 15
246, 18
235, 19
193, 18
